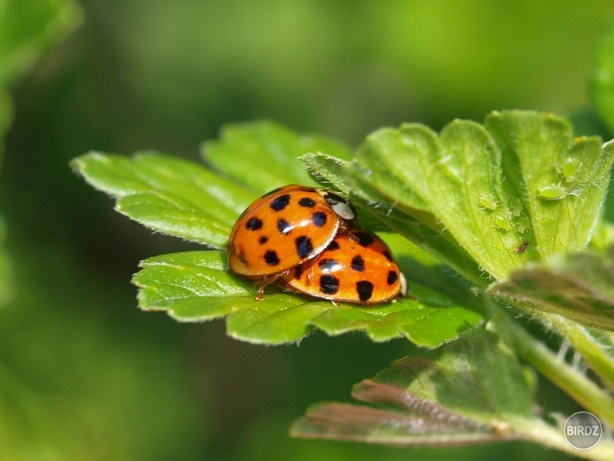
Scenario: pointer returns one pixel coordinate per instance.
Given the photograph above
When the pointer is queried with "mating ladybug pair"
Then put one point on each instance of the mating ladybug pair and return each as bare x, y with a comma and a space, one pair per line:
307, 241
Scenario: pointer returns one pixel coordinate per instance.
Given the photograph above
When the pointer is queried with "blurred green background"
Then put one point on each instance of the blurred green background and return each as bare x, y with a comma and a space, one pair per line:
83, 373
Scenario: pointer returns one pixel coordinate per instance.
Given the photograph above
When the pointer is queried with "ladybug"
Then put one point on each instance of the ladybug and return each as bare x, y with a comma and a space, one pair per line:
356, 267
284, 228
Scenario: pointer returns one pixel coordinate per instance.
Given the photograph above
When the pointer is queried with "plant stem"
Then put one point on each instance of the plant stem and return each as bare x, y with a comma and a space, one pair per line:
585, 344
547, 435
572, 381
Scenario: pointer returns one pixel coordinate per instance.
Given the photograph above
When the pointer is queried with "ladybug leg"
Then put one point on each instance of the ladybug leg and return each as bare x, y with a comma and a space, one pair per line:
260, 295
267, 281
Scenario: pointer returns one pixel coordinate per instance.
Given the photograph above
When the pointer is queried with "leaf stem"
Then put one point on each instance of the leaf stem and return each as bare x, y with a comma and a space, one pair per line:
585, 344
572, 381
545, 434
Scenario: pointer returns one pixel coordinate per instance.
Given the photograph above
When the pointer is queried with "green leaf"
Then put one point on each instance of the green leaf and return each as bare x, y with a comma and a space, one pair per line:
195, 286
183, 199
168, 194
449, 181
485, 197
327, 170
331, 173
579, 286
602, 83
561, 180
476, 377
473, 390
263, 155
376, 210
423, 324
567, 376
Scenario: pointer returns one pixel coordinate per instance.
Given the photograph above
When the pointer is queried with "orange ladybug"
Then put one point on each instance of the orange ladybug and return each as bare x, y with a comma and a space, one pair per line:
306, 240
356, 267
284, 228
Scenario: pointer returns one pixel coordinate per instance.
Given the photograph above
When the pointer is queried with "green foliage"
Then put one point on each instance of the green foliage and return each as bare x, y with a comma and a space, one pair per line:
521, 177
74, 356
168, 194
502, 202
470, 387
473, 390
195, 286
180, 198
576, 285
262, 155
186, 200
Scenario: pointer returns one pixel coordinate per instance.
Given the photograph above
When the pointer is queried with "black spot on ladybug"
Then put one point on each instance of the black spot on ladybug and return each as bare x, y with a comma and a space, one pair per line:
271, 258
329, 284
364, 289
332, 246
254, 224
298, 271
284, 226
262, 240
392, 277
281, 202
388, 255
364, 238
306, 202
304, 247
358, 264
328, 264
318, 218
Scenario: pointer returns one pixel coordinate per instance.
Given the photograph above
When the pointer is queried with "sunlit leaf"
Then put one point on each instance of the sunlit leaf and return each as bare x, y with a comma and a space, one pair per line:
195, 286
560, 180
263, 155
328, 170
184, 199
168, 194
378, 213
452, 180
462, 195
516, 189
